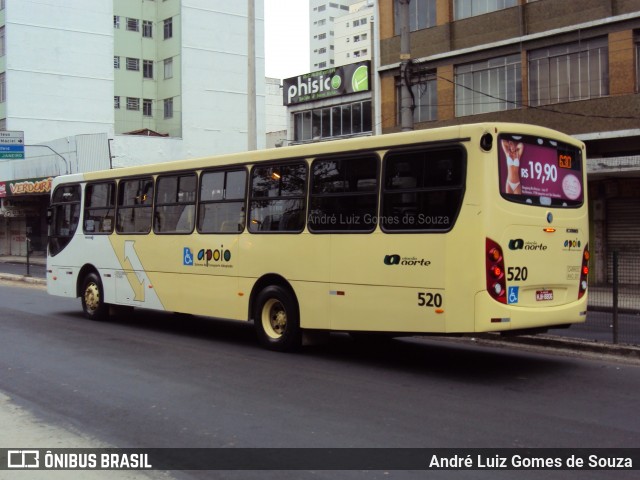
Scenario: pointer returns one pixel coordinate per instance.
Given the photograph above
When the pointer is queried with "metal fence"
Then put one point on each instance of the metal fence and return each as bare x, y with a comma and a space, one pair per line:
613, 312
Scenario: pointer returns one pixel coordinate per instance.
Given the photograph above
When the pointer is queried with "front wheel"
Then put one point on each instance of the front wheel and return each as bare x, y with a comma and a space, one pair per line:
92, 295
277, 320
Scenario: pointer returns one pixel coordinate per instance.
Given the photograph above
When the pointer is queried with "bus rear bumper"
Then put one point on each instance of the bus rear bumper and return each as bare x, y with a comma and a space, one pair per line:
492, 316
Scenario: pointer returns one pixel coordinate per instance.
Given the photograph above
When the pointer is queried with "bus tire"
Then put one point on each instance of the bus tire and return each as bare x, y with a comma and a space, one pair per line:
92, 296
276, 319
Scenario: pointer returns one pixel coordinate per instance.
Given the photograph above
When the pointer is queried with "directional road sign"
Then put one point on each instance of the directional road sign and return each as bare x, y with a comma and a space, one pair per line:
11, 145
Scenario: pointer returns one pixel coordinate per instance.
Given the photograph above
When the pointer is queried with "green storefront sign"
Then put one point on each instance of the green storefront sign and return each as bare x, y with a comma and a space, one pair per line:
332, 82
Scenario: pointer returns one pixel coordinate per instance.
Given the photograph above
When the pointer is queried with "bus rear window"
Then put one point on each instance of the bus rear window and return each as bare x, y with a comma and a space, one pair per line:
540, 171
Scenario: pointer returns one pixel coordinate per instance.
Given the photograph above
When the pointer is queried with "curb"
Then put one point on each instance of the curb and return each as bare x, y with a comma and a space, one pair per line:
23, 278
573, 345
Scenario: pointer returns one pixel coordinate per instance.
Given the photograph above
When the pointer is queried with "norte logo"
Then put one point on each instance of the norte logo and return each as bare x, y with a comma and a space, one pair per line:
520, 244
396, 259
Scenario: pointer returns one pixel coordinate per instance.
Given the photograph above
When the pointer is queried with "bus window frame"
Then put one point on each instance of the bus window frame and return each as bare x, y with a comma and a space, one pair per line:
87, 209
120, 182
340, 157
226, 170
303, 196
425, 148
156, 203
54, 209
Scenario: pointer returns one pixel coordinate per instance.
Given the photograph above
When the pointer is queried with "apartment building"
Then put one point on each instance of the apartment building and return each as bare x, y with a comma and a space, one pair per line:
354, 34
107, 83
322, 15
572, 66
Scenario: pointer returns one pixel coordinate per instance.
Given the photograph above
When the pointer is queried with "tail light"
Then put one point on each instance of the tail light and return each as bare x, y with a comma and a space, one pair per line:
496, 283
584, 272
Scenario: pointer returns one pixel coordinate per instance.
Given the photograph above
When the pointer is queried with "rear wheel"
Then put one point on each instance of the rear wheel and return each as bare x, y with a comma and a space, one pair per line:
92, 296
277, 320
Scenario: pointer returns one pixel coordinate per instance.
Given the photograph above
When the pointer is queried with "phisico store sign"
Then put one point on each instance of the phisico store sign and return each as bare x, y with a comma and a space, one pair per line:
332, 82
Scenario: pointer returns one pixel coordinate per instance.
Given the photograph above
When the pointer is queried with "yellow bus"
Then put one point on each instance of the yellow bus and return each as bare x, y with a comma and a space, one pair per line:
470, 228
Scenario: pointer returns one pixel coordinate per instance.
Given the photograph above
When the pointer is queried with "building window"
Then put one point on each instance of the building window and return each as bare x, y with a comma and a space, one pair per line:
116, 102
116, 61
322, 36
147, 68
638, 63
133, 24
147, 107
168, 108
489, 86
168, 68
133, 103
147, 28
422, 14
3, 44
116, 21
564, 73
424, 95
341, 120
133, 64
168, 28
3, 87
471, 8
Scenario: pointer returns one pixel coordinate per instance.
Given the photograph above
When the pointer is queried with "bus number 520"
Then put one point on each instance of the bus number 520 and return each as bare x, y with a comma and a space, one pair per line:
429, 299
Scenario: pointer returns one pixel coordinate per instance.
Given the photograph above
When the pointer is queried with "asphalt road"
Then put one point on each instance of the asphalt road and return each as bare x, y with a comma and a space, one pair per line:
162, 380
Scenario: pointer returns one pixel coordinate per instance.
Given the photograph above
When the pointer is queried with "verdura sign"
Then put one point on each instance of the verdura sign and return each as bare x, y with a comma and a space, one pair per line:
332, 82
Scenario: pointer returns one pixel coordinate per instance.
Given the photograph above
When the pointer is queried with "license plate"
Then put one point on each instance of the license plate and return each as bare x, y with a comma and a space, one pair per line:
544, 295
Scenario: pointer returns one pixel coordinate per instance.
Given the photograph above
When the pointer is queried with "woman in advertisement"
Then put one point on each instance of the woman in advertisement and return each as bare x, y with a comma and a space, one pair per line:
513, 152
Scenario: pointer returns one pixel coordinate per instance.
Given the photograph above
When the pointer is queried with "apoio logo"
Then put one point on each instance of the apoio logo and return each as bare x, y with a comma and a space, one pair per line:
218, 255
569, 244
396, 259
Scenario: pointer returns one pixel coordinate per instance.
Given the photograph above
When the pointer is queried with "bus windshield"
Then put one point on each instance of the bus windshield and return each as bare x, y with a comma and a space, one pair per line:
539, 171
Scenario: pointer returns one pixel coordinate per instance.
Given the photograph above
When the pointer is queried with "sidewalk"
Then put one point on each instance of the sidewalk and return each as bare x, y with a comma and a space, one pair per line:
36, 260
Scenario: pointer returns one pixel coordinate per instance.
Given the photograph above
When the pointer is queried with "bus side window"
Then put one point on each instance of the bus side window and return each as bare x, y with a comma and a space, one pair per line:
278, 198
65, 217
99, 208
344, 194
175, 204
423, 189
222, 201
135, 203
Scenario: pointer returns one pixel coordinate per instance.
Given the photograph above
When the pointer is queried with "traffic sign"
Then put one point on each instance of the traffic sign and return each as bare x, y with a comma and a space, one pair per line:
11, 145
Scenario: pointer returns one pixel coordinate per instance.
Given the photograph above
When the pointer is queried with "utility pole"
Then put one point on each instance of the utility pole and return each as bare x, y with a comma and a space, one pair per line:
252, 129
406, 99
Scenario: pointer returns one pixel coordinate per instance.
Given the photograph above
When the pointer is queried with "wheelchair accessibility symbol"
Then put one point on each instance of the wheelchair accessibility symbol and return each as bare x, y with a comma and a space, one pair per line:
187, 258
512, 295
